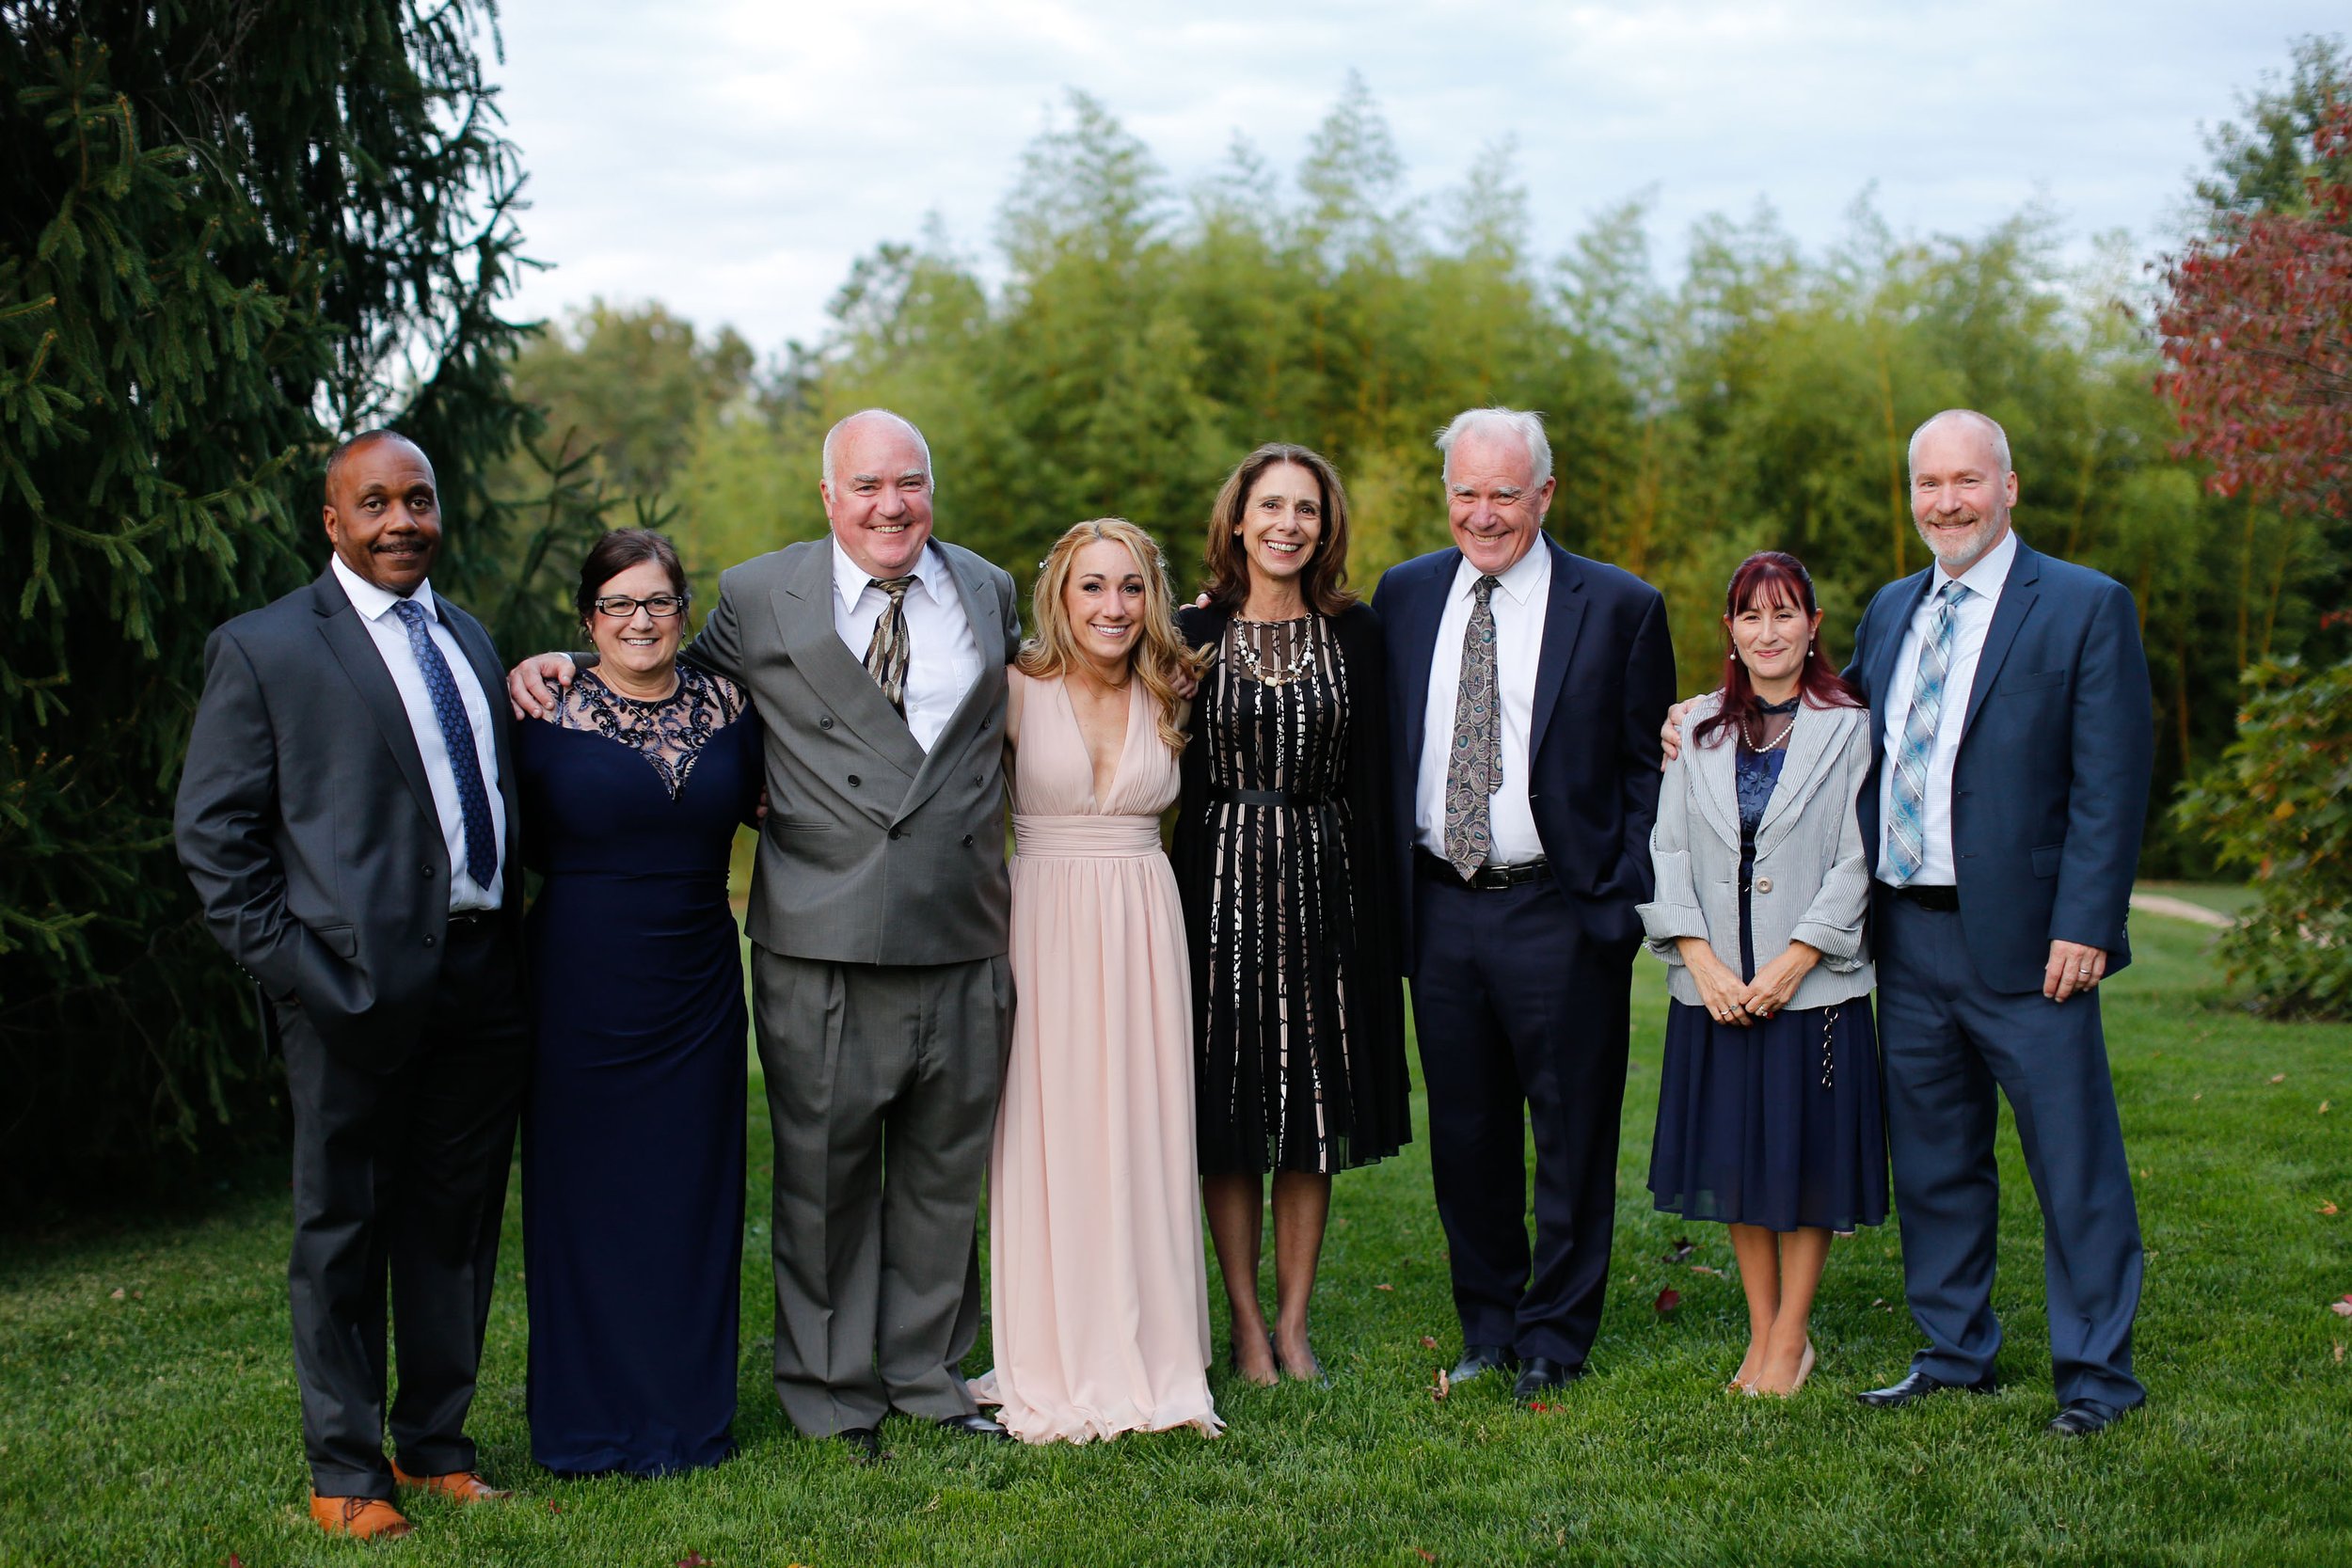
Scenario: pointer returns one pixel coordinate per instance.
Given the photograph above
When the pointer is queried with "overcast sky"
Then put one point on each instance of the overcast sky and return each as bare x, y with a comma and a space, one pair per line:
731, 159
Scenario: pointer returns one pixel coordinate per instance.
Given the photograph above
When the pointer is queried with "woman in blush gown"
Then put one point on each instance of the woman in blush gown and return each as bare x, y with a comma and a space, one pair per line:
633, 1127
1098, 1288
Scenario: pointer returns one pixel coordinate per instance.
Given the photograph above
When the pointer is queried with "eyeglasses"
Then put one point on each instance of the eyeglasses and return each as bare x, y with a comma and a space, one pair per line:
622, 608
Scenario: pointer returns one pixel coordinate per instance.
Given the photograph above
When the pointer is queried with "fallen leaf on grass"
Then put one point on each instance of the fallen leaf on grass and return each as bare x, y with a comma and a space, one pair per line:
1683, 1247
2198, 1095
233, 1560
554, 1507
1701, 1268
1426, 1554
2339, 1354
2341, 1306
693, 1560
1668, 1299
2328, 1209
1443, 1386
115, 1294
1427, 1342
1384, 1287
1538, 1407
2323, 1108
2278, 1077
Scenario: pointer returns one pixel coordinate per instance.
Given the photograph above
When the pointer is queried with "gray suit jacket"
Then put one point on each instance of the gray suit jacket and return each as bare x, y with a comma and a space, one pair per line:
1812, 878
307, 827
874, 851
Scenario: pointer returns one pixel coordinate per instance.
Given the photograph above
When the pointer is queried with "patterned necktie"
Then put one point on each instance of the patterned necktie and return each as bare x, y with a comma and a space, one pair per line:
1906, 831
886, 653
1474, 768
449, 709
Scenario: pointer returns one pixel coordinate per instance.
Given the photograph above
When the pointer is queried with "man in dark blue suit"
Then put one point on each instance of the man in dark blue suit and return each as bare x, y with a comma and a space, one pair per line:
2009, 695
1526, 685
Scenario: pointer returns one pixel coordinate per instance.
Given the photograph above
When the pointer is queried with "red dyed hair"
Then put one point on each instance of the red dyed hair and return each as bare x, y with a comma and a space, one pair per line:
1765, 579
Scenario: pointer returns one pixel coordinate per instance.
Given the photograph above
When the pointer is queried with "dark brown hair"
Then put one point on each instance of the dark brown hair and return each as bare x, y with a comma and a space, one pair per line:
1765, 579
616, 553
1322, 581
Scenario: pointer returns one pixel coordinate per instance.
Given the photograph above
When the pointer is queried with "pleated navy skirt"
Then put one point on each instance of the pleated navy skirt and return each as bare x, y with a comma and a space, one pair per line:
1750, 1132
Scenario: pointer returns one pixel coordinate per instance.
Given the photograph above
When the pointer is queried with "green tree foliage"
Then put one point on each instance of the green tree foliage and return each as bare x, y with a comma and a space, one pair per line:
228, 233
2279, 808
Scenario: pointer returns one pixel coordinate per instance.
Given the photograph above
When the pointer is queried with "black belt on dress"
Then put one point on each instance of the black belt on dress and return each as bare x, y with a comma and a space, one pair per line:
1233, 795
1941, 897
1486, 879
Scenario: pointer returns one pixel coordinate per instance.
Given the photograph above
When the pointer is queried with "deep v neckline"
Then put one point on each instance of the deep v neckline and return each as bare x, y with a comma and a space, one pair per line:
1097, 792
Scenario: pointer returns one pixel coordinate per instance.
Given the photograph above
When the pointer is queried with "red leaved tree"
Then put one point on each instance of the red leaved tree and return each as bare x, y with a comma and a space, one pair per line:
2258, 329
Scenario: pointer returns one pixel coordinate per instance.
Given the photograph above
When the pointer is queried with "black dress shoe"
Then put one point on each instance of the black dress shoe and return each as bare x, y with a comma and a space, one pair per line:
1540, 1374
973, 1425
1918, 1385
2081, 1417
864, 1443
1478, 1360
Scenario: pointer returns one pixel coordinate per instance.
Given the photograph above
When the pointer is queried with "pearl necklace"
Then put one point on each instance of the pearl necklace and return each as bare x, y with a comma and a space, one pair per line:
1296, 667
1777, 741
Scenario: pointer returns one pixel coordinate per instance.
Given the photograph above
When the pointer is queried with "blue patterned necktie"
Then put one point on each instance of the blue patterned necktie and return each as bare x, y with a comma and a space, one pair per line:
1906, 831
473, 801
1473, 769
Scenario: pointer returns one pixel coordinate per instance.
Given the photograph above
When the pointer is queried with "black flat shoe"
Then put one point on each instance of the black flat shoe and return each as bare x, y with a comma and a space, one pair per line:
2082, 1418
1916, 1385
1540, 1374
1478, 1360
974, 1425
864, 1443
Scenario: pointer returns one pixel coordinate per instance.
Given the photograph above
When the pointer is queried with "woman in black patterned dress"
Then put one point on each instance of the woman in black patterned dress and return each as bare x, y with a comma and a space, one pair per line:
1283, 866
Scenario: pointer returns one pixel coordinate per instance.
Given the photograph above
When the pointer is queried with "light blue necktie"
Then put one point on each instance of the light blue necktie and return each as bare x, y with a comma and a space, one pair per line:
1906, 832
473, 801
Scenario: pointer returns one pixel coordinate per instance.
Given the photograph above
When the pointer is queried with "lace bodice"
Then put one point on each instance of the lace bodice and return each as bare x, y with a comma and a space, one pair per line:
668, 732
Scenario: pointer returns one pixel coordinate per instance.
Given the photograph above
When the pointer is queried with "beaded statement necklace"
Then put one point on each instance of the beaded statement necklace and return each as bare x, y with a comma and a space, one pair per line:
1300, 662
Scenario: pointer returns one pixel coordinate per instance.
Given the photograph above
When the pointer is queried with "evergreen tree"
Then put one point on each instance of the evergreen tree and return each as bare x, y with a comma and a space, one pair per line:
229, 235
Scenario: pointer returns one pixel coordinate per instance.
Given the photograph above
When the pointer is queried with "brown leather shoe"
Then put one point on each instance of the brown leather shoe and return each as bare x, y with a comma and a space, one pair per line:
362, 1518
462, 1486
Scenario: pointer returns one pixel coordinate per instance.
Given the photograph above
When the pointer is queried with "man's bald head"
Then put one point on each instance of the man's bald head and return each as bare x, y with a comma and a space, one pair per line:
340, 457
867, 420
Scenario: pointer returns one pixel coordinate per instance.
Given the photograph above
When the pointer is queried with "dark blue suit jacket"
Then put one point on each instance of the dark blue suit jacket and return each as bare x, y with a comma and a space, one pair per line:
1602, 683
2050, 788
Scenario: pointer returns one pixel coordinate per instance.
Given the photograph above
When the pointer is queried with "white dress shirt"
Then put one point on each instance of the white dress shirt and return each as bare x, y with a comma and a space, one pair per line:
1522, 597
943, 656
375, 606
1972, 618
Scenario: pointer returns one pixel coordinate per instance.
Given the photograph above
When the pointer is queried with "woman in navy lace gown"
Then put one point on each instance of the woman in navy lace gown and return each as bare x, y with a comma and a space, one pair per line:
633, 1129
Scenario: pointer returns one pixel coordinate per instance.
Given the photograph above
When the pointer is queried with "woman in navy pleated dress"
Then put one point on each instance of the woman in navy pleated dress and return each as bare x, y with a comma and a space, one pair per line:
633, 1127
1768, 1109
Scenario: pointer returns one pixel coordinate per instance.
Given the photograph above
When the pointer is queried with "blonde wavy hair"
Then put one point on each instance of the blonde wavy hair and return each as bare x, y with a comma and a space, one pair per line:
1158, 654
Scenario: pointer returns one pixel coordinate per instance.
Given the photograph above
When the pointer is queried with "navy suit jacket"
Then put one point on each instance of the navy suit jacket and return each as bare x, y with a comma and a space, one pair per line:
308, 826
1603, 681
2050, 787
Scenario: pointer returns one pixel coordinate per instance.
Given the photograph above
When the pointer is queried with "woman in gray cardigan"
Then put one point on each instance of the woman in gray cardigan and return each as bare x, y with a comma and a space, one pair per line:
1769, 1113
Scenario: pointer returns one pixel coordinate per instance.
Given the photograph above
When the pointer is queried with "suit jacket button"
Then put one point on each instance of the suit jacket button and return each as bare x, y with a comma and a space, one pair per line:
853, 780
826, 722
967, 841
898, 832
1763, 884
427, 872
430, 940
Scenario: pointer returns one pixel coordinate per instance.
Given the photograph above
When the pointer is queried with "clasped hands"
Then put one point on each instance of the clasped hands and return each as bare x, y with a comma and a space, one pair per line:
1729, 999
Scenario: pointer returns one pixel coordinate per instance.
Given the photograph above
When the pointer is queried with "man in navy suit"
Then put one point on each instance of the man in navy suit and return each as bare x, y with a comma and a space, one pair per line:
1526, 685
2008, 694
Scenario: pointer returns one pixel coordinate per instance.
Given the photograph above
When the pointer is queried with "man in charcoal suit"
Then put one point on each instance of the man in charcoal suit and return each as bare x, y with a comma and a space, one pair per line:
877, 925
1526, 687
347, 816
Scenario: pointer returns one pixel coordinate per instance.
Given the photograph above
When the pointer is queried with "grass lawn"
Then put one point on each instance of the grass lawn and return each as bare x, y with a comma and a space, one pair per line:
147, 1410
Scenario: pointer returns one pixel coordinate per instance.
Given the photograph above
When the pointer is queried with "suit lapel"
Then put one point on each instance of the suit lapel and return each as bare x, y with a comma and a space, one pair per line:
1879, 674
986, 696
2019, 592
355, 651
1715, 772
803, 611
1814, 746
1563, 617
1415, 641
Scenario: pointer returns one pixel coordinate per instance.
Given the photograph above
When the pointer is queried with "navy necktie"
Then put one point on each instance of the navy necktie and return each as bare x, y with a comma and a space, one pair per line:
473, 801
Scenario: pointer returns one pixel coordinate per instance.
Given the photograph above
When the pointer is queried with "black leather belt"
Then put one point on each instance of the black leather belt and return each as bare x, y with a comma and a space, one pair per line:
472, 925
1486, 879
1945, 899
1266, 797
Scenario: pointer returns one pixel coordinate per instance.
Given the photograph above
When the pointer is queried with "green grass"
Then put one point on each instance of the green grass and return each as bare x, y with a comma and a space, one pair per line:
159, 1425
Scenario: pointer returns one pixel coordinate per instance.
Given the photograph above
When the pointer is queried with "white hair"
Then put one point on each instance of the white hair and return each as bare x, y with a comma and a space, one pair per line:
1984, 421
832, 438
1527, 427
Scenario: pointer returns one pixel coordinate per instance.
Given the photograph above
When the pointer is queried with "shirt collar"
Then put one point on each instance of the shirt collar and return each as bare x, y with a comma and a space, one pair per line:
1529, 574
850, 579
374, 603
1990, 570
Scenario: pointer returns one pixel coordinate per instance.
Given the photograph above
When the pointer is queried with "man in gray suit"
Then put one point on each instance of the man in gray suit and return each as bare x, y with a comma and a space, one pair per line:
878, 925
347, 816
